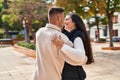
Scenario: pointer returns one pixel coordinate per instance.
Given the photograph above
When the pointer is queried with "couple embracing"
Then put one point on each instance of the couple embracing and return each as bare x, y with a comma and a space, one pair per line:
61, 51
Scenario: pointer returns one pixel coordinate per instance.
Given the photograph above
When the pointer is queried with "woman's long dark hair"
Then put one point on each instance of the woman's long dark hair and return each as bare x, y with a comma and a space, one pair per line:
85, 38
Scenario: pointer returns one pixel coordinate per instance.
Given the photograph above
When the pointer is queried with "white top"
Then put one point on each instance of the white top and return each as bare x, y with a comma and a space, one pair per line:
49, 60
77, 53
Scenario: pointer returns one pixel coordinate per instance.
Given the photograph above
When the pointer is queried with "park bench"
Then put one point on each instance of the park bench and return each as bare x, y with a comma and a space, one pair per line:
6, 41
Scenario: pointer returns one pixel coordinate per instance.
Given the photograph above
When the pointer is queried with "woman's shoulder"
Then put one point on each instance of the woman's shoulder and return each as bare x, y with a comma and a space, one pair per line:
78, 33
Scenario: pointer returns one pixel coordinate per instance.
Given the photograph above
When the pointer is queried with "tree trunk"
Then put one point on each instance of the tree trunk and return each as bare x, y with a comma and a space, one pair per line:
32, 34
89, 30
29, 18
6, 29
97, 24
88, 24
5, 4
110, 24
27, 33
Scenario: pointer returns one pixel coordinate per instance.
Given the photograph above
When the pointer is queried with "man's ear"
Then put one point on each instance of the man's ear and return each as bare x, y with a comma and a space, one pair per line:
58, 17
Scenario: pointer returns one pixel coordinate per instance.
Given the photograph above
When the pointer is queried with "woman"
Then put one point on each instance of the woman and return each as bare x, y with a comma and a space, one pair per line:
76, 32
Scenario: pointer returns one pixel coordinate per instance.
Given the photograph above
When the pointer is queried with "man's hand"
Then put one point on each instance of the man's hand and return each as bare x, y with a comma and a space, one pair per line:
57, 41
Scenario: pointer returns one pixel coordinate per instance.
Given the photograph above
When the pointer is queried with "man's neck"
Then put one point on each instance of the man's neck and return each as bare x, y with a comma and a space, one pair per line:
56, 24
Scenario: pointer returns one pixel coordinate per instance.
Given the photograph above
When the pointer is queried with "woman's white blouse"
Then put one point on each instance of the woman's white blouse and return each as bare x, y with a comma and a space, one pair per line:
75, 53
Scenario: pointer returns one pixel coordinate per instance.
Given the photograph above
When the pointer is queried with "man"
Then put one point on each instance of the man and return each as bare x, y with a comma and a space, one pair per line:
49, 59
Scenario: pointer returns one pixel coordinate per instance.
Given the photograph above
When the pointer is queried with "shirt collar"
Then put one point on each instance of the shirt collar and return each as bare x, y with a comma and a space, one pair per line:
52, 26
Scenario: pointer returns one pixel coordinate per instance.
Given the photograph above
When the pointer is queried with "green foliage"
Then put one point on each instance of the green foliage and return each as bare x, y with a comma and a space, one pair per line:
76, 6
1, 6
103, 7
27, 45
37, 24
11, 18
14, 14
19, 36
79, 6
1, 9
2, 30
5, 17
1, 35
104, 20
103, 39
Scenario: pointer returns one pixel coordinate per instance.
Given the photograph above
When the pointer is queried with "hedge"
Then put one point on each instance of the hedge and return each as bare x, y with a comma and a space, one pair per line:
27, 45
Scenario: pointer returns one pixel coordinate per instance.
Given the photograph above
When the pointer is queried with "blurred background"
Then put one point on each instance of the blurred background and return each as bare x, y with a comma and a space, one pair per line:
20, 19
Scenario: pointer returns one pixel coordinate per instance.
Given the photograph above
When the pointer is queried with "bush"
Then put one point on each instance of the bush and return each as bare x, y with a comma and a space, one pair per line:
27, 45
20, 36
103, 39
1, 35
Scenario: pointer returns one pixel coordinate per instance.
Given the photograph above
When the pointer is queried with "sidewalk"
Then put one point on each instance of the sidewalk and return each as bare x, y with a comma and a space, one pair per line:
106, 66
16, 66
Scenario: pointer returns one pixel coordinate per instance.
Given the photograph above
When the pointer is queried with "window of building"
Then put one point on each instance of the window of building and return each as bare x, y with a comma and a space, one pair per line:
115, 32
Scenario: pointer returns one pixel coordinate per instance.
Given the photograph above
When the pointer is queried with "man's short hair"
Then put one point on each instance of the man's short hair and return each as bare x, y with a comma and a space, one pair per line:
55, 10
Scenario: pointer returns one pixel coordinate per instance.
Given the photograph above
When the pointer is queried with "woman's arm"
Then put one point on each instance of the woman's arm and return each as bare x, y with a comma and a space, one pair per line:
76, 54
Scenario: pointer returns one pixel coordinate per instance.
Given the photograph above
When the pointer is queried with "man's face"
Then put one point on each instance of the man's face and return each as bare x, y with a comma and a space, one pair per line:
61, 19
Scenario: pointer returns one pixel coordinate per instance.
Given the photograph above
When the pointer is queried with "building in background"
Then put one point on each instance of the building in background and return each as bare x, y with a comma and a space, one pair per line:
104, 29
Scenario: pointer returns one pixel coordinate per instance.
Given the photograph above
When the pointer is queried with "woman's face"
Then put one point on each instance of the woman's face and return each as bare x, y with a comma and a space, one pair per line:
69, 24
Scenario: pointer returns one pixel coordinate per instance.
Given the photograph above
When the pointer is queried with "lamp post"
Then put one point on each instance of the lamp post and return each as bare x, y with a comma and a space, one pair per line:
25, 29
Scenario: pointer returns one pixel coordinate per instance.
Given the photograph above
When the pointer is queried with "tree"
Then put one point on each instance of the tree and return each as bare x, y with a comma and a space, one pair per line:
5, 12
80, 7
108, 8
94, 9
30, 10
77, 6
1, 8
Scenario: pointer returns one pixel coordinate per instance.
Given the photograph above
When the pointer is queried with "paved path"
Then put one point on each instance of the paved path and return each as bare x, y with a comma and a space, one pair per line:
16, 66
107, 64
